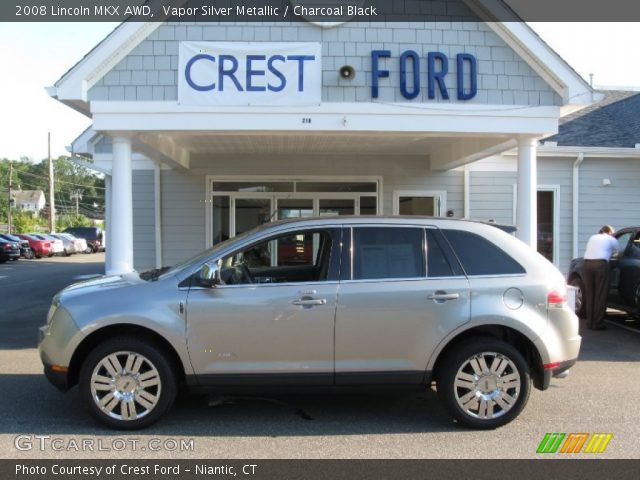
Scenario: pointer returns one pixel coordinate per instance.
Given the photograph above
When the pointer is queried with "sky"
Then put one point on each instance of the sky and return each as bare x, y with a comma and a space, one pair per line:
35, 55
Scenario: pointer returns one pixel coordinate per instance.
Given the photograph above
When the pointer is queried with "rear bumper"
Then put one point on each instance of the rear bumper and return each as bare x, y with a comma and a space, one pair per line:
549, 373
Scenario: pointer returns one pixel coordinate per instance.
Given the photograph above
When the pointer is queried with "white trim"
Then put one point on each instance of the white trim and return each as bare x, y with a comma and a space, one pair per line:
556, 219
588, 152
75, 84
429, 119
439, 197
556, 215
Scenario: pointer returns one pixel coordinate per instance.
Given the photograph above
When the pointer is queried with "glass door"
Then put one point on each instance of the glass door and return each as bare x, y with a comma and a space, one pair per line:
330, 206
250, 212
295, 208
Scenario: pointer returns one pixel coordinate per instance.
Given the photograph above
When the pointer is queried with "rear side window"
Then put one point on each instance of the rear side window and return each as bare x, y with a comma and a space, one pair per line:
479, 256
388, 253
437, 263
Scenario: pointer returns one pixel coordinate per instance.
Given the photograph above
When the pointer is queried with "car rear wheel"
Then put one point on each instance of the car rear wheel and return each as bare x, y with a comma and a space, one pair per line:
88, 249
484, 383
580, 309
128, 383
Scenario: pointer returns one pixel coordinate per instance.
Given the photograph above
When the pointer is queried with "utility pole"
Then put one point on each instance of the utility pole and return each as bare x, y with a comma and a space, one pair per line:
10, 198
77, 195
52, 208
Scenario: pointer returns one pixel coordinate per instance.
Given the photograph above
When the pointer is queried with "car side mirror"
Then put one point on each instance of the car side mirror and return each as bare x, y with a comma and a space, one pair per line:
209, 275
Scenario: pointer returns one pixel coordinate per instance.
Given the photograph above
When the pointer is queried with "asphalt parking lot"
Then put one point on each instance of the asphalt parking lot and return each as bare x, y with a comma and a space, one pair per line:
36, 421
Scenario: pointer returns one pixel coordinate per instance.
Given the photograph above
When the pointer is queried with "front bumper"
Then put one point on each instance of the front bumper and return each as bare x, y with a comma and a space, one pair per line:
57, 342
59, 379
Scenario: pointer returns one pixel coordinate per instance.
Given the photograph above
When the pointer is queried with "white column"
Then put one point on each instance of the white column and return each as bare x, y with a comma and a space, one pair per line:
527, 203
107, 221
122, 212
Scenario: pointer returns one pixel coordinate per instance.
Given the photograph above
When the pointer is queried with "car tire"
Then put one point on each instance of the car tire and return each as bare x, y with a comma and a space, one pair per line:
478, 392
580, 310
88, 250
115, 389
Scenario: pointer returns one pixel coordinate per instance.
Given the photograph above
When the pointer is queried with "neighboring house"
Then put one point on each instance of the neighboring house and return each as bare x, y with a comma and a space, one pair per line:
588, 175
187, 165
29, 200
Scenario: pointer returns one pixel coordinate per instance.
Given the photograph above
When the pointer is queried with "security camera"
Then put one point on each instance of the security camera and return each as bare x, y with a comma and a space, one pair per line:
347, 72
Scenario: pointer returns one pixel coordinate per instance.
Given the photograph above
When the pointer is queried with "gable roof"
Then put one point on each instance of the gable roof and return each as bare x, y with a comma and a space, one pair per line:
72, 88
28, 196
613, 122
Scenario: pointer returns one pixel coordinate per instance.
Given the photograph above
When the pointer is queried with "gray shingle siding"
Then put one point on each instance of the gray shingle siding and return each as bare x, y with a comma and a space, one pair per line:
144, 246
506, 79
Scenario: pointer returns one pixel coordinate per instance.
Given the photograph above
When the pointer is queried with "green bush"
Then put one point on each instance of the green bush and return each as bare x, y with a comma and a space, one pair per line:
25, 222
66, 221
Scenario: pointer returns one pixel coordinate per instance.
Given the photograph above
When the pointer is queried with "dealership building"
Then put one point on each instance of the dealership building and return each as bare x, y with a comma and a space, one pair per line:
205, 130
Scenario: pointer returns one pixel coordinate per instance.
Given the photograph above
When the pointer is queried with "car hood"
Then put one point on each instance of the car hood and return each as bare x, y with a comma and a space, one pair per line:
99, 285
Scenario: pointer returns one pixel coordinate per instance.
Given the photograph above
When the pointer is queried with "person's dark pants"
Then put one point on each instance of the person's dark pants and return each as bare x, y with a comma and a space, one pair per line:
596, 283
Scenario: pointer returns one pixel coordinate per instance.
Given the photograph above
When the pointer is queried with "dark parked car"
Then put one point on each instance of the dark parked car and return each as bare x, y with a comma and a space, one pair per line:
9, 250
25, 249
93, 235
624, 286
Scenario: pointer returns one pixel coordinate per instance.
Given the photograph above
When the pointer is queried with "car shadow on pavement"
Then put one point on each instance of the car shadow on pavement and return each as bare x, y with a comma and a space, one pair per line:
29, 404
614, 344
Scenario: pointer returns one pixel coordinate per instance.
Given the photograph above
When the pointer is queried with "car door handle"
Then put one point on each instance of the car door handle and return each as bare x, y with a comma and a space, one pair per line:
310, 302
440, 296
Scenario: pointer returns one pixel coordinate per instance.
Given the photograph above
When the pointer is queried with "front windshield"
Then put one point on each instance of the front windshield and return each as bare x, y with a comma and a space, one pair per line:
211, 252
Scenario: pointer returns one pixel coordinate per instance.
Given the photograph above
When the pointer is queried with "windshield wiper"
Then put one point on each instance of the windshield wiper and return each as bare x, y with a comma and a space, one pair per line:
153, 274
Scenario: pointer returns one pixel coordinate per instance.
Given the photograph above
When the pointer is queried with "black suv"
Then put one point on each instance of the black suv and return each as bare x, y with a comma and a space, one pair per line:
93, 236
624, 286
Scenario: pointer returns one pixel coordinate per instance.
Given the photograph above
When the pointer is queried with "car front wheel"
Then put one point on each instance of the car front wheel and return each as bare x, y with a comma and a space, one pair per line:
484, 383
128, 383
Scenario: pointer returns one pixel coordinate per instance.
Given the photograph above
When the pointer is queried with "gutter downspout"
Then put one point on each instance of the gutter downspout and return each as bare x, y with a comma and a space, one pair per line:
467, 193
158, 216
576, 193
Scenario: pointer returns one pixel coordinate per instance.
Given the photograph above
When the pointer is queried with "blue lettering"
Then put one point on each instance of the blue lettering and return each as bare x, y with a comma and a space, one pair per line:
187, 73
254, 73
462, 59
437, 76
301, 59
277, 73
377, 73
415, 60
222, 72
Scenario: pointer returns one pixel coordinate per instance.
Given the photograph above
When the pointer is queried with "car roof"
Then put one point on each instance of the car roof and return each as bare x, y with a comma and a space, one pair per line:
385, 219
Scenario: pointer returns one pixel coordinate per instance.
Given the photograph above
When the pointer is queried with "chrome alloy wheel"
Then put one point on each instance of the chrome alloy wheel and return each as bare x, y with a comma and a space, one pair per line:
487, 385
126, 385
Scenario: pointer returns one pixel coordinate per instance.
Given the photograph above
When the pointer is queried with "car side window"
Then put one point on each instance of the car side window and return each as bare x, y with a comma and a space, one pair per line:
388, 252
623, 241
293, 257
437, 263
479, 256
634, 251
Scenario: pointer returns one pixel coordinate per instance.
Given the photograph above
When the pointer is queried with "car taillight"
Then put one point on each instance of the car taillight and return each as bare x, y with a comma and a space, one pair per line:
7, 246
557, 298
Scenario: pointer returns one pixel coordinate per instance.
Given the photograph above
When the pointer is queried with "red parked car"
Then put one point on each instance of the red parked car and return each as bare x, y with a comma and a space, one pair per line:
41, 248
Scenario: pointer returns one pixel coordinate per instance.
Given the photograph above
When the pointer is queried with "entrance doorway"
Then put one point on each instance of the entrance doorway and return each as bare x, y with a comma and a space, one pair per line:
547, 223
239, 205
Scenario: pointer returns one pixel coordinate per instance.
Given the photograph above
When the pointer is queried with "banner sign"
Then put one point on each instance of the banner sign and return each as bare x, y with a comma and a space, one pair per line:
241, 73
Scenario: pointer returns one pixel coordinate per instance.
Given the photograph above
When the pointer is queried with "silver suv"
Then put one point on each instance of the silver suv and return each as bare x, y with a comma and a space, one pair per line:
316, 304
